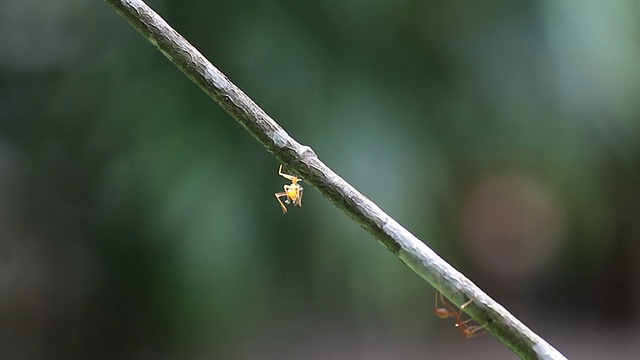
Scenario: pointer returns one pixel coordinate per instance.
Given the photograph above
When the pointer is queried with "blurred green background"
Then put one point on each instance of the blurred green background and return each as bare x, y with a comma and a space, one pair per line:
137, 219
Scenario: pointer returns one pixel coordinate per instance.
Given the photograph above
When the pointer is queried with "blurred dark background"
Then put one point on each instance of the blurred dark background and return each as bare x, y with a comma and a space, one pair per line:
137, 219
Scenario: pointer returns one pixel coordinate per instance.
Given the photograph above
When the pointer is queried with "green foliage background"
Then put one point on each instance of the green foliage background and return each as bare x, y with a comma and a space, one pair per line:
137, 218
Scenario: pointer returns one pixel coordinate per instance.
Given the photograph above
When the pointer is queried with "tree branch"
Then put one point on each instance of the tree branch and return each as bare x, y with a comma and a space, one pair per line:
413, 252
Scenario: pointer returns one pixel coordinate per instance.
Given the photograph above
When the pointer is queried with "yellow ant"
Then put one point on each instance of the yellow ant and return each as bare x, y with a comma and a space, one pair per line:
468, 331
293, 192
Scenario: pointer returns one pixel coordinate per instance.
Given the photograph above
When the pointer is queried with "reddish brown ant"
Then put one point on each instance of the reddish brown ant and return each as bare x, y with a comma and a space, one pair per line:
448, 311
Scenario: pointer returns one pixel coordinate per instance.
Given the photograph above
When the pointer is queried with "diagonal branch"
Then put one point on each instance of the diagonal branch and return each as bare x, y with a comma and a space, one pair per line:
413, 252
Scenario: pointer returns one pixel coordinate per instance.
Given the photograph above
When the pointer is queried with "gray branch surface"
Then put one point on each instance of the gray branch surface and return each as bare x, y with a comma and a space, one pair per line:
302, 159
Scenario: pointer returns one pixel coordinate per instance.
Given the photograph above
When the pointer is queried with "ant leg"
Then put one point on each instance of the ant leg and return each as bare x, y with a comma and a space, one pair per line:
472, 331
278, 195
469, 319
466, 304
299, 199
286, 176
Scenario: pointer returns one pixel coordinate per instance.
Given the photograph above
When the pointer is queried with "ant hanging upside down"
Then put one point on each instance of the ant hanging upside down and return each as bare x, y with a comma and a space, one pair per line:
292, 192
448, 311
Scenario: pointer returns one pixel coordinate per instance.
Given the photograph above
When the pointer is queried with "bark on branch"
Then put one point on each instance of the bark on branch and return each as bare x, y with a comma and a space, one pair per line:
413, 252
